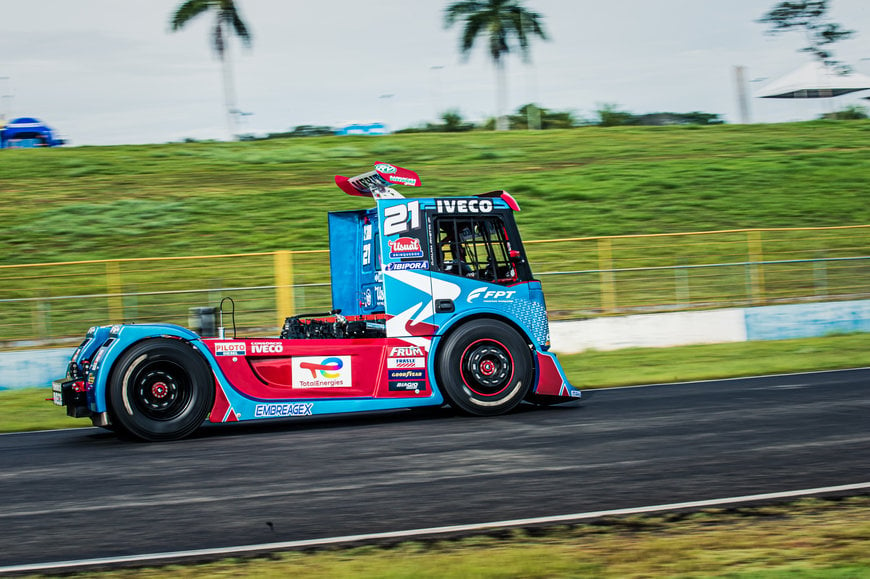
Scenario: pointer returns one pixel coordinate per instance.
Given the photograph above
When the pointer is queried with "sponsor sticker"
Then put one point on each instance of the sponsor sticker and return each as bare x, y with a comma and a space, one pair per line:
464, 205
385, 168
230, 349
490, 296
267, 348
406, 351
407, 265
408, 385
290, 409
405, 247
412, 374
406, 362
321, 372
575, 394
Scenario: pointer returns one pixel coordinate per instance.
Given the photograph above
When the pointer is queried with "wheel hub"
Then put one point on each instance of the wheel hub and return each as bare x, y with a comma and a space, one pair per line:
487, 368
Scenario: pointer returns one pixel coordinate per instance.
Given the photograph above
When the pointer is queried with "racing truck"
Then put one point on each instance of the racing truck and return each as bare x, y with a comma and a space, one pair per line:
433, 302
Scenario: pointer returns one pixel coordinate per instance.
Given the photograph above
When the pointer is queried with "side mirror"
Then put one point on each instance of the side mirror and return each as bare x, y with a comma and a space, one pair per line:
515, 256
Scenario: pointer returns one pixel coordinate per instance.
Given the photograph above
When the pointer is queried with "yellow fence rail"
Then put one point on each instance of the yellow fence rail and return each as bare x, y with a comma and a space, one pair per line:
583, 277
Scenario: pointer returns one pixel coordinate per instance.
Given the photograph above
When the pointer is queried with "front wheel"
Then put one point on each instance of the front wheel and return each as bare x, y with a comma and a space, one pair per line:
160, 389
485, 368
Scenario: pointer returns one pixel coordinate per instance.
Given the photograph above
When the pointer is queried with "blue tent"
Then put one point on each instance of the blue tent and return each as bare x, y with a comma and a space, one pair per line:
27, 132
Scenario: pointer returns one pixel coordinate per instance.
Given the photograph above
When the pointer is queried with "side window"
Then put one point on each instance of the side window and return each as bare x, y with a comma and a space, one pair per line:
475, 248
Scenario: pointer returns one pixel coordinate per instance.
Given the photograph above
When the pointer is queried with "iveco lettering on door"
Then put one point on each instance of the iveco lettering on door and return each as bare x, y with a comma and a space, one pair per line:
267, 348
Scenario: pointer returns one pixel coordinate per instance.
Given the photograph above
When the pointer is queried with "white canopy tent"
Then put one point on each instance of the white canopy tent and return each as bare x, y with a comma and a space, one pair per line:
815, 80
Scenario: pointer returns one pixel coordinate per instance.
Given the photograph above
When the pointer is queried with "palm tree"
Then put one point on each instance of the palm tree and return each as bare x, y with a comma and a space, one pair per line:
227, 22
505, 23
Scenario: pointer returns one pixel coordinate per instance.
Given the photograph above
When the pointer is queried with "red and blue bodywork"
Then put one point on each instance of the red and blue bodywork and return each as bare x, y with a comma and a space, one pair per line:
434, 302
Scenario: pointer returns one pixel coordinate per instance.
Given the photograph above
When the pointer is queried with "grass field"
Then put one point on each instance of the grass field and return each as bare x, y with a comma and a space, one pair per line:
81, 203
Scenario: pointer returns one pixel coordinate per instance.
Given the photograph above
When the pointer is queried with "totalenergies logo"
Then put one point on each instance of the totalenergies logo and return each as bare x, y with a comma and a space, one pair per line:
328, 368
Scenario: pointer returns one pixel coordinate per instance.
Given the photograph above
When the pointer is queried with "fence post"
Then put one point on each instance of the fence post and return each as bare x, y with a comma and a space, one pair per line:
283, 285
681, 284
605, 268
756, 268
113, 288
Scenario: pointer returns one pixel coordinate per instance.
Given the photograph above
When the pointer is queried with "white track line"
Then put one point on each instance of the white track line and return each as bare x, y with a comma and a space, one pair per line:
430, 531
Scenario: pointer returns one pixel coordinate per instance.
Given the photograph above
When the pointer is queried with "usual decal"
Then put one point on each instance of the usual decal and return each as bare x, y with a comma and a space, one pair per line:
405, 247
230, 349
321, 372
463, 205
293, 409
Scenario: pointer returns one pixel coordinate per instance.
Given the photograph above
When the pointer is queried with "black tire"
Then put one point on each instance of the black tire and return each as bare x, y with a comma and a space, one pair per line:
484, 368
160, 389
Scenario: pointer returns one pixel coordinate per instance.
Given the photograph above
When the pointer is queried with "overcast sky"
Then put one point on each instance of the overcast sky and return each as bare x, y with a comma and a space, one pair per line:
109, 71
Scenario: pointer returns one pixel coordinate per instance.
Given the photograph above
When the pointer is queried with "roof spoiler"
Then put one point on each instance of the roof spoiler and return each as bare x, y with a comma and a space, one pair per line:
505, 196
377, 183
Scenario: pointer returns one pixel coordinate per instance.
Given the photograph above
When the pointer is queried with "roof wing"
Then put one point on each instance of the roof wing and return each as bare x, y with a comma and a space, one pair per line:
377, 183
504, 195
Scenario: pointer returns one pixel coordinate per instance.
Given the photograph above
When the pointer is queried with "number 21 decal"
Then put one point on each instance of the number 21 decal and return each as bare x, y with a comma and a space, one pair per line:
401, 218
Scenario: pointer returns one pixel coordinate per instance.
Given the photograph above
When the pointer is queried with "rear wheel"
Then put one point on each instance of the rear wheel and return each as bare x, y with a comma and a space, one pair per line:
485, 368
160, 389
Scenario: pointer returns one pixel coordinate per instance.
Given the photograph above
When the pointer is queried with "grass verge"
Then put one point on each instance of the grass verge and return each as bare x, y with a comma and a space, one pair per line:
27, 409
803, 539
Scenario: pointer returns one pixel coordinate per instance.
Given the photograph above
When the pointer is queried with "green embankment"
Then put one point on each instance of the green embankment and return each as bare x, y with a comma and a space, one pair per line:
213, 198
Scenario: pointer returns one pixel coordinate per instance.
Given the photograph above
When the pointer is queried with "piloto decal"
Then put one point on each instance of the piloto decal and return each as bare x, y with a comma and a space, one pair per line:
490, 296
406, 351
267, 348
407, 265
294, 409
321, 372
406, 386
230, 349
406, 362
464, 205
405, 247
406, 374
575, 394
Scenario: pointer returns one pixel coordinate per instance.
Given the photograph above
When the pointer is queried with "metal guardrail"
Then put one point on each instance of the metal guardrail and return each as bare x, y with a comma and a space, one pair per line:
582, 277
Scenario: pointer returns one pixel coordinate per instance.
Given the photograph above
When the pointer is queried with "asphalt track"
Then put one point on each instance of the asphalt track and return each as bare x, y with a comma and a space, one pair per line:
84, 494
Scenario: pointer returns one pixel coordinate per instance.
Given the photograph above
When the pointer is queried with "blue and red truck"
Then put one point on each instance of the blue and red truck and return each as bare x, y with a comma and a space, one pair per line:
433, 300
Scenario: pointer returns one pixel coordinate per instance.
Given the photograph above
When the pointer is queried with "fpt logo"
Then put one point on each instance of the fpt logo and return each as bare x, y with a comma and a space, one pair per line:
329, 368
490, 296
321, 372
